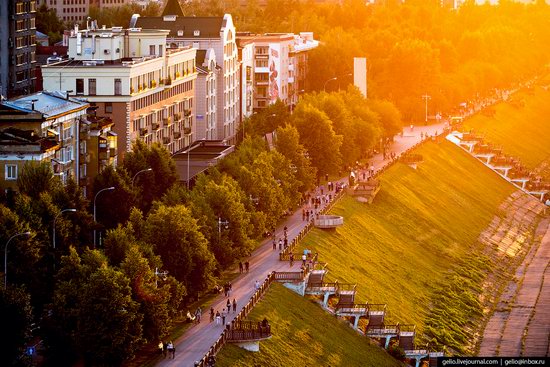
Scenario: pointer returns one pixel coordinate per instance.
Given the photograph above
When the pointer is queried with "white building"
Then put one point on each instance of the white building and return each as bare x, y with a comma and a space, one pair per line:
206, 88
130, 75
246, 58
280, 65
205, 33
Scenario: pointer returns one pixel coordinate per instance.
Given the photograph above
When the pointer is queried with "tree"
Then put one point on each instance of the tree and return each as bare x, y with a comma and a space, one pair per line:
16, 319
48, 23
36, 177
93, 315
288, 144
152, 185
318, 137
176, 237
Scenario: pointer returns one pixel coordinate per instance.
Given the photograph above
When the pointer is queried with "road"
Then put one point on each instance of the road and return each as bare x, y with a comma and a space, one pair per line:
197, 340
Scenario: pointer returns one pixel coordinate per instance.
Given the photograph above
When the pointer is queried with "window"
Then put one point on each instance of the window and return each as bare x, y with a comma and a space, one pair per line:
160, 50
118, 87
11, 172
92, 87
80, 86
151, 49
108, 107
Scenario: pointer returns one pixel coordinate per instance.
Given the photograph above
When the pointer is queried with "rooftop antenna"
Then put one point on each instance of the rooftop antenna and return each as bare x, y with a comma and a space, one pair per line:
67, 92
32, 103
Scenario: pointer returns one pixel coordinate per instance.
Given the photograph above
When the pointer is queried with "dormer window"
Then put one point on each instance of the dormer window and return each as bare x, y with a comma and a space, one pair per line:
180, 33
196, 33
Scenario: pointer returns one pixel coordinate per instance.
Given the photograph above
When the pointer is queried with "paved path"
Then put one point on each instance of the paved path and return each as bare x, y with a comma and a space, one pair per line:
197, 340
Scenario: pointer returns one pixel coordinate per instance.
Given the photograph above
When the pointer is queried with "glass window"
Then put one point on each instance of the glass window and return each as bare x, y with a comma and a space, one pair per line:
108, 107
118, 87
79, 86
92, 87
11, 172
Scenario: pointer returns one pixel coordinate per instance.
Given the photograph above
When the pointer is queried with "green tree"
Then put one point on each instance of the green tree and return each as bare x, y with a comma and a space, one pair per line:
16, 319
318, 137
36, 177
48, 23
176, 237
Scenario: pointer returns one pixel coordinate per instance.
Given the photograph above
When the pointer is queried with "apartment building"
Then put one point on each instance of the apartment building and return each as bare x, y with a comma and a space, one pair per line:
146, 89
204, 33
246, 61
206, 88
76, 11
17, 47
280, 65
43, 126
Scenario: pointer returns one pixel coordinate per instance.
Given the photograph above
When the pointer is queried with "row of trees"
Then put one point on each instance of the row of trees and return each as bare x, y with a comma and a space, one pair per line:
412, 48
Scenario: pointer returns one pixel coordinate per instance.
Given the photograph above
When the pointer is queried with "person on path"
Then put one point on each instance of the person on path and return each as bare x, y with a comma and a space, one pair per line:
218, 318
280, 243
211, 314
274, 244
223, 318
228, 304
164, 349
161, 347
198, 314
286, 242
240, 267
304, 258
234, 305
170, 348
257, 285
247, 266
229, 288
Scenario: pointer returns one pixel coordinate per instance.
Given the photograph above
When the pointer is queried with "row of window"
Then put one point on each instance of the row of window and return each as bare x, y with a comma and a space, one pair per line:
75, 10
25, 57
25, 41
75, 18
25, 7
92, 87
25, 24
162, 95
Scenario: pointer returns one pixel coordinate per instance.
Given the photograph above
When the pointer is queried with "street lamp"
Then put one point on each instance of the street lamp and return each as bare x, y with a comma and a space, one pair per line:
158, 273
221, 223
95, 198
426, 97
346, 75
6, 256
143, 170
325, 85
58, 214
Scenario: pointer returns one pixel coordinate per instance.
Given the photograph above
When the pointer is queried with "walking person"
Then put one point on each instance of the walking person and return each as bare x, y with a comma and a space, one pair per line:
240, 267
304, 258
247, 266
280, 244
211, 314
161, 347
234, 305
228, 304
170, 349
223, 318
198, 314
218, 318
274, 244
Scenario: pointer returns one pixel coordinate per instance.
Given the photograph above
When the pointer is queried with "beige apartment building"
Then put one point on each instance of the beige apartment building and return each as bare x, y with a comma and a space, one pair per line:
145, 88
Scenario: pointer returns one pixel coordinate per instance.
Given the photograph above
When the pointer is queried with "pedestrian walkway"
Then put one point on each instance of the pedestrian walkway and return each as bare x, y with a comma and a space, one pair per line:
197, 340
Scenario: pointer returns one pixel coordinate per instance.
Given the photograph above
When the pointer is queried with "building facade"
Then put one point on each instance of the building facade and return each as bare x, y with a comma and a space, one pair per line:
17, 47
280, 66
203, 33
131, 77
246, 63
206, 88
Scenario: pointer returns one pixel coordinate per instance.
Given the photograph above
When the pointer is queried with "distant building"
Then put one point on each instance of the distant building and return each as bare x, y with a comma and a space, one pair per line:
246, 58
76, 11
17, 47
280, 65
206, 33
206, 88
129, 74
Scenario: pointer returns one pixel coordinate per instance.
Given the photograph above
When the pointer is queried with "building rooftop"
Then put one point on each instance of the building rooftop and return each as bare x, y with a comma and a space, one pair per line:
185, 27
15, 140
50, 104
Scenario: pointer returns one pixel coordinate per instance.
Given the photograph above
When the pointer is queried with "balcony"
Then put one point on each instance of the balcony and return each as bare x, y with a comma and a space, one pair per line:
187, 112
143, 131
177, 116
166, 140
85, 157
168, 81
177, 135
187, 130
156, 126
167, 121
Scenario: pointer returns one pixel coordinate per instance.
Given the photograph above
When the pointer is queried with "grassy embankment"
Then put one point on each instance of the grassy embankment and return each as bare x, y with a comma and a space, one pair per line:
521, 126
303, 335
415, 248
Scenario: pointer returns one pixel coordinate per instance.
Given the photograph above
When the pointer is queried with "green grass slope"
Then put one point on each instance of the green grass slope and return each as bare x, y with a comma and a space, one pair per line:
303, 335
404, 248
521, 125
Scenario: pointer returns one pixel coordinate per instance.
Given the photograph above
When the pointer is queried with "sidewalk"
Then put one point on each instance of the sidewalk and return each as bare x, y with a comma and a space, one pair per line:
196, 341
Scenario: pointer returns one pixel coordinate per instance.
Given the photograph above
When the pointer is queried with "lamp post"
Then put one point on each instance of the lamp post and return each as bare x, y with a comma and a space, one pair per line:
158, 273
95, 198
137, 173
58, 214
426, 97
188, 150
6, 256
220, 224
325, 85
